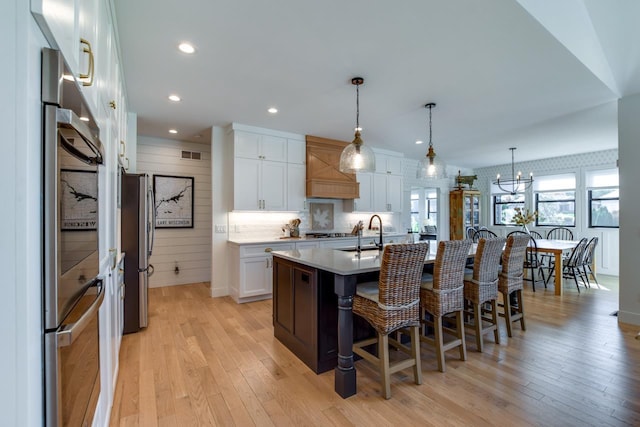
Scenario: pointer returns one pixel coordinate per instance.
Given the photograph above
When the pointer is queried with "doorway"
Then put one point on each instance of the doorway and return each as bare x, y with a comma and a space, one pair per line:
425, 208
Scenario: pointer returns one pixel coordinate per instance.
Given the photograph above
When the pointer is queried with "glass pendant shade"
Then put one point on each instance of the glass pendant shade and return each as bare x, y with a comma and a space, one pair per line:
430, 167
357, 157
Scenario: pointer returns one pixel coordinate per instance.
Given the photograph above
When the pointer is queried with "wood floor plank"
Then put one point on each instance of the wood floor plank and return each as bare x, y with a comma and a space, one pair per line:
210, 361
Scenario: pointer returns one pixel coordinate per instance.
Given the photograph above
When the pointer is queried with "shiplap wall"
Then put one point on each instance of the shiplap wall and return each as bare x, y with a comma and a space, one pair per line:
189, 248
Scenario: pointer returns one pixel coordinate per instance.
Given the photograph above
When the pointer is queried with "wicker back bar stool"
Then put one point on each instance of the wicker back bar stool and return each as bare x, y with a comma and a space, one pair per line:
443, 293
390, 304
482, 287
510, 279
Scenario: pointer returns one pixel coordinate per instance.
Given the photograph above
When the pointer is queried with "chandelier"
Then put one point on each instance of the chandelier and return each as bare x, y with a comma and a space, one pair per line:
431, 167
516, 184
356, 157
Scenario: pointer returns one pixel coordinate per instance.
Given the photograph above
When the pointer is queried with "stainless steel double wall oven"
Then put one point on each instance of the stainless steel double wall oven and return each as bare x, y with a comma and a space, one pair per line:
72, 288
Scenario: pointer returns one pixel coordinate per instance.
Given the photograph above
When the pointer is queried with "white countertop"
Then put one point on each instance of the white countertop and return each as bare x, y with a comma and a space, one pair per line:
273, 240
334, 261
340, 262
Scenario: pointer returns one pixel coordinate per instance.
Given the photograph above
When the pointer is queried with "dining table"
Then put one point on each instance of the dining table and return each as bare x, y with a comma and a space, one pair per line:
556, 248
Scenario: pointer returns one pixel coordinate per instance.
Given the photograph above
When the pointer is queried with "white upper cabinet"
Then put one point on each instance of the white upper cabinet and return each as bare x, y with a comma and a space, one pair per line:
365, 202
269, 169
296, 151
58, 20
389, 164
256, 146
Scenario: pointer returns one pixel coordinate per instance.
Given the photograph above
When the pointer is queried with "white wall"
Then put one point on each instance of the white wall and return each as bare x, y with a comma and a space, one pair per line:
222, 203
188, 248
20, 227
629, 146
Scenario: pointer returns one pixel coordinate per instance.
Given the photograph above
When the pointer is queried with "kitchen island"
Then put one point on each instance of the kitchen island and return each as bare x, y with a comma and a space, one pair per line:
312, 307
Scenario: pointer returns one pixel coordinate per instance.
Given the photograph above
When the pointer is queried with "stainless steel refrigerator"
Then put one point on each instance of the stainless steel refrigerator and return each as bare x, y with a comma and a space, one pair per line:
137, 233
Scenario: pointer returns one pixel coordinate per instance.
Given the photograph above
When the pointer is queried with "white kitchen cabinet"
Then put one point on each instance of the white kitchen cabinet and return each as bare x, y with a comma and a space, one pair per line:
261, 147
259, 185
387, 192
307, 245
296, 187
296, 151
365, 202
71, 26
252, 270
58, 20
389, 164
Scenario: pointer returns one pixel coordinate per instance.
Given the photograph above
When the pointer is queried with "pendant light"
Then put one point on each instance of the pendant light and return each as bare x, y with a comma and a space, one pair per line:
430, 167
356, 157
515, 184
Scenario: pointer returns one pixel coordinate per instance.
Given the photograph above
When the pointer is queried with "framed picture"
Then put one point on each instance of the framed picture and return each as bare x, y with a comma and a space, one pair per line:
78, 200
173, 201
321, 216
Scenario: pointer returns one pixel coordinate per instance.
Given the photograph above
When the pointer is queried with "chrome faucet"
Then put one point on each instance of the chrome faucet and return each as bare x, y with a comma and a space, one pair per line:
378, 245
359, 227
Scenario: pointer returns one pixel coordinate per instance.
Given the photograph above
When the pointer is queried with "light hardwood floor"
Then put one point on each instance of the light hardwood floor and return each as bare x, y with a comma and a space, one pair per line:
209, 361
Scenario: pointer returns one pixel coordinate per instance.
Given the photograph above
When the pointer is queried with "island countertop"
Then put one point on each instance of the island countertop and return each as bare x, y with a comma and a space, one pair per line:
333, 260
340, 262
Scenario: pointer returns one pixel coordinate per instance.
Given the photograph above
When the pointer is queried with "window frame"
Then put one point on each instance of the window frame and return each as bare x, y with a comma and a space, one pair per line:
537, 205
590, 200
495, 204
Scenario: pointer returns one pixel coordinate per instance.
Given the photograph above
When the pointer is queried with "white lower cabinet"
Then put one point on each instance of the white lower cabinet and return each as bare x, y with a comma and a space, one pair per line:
252, 270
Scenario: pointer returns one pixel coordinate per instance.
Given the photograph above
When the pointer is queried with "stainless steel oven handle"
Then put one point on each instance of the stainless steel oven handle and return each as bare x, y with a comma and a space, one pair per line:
69, 119
67, 336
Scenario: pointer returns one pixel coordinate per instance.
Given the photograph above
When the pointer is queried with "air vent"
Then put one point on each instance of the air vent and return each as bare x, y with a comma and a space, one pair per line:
193, 155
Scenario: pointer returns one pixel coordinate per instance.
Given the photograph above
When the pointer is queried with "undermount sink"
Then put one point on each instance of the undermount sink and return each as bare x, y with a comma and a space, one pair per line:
363, 249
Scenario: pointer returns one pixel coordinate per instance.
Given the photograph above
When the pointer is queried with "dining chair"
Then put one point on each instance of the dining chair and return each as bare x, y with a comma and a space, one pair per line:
481, 287
535, 234
556, 233
532, 261
571, 266
470, 232
390, 304
442, 293
510, 280
560, 233
483, 233
587, 260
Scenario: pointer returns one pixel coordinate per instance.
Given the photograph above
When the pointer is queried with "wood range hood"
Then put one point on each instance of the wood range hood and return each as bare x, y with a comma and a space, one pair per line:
324, 179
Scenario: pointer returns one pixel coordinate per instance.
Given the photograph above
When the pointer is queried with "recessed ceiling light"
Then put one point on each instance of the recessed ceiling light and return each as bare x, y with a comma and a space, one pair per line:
173, 131
272, 110
197, 135
84, 119
174, 98
186, 47
419, 141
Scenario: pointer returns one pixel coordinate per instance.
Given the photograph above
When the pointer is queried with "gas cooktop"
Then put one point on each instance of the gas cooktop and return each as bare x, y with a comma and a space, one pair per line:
325, 235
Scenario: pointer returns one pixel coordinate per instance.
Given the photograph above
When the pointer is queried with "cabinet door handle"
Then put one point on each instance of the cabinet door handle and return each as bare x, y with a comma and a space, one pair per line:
90, 72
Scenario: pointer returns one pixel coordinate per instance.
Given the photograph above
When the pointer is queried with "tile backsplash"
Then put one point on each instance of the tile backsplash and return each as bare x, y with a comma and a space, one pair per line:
270, 224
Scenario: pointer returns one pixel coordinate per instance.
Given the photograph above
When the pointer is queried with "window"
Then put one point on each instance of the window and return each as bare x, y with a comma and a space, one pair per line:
504, 207
555, 198
415, 212
432, 207
423, 212
604, 198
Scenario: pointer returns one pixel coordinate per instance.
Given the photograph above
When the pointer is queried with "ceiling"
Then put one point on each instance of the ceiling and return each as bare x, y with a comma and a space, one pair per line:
541, 76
